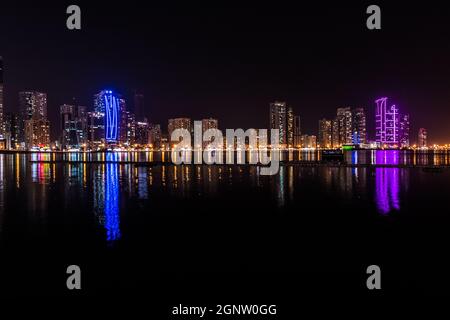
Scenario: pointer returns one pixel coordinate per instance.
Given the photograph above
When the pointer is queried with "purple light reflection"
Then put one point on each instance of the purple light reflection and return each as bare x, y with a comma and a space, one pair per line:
387, 181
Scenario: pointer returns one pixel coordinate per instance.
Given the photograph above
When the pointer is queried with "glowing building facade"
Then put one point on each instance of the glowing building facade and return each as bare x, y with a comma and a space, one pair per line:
96, 129
155, 135
142, 133
34, 126
325, 133
344, 119
282, 118
73, 126
290, 127
359, 130
422, 138
108, 104
278, 120
387, 123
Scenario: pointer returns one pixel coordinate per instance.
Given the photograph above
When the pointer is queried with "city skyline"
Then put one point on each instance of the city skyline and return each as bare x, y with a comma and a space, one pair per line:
187, 151
197, 63
352, 128
110, 122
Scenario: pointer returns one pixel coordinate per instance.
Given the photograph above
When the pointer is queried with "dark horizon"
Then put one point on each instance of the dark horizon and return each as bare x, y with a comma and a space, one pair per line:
229, 63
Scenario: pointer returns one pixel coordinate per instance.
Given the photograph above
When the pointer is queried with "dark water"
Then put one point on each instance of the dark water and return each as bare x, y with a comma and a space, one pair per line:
219, 229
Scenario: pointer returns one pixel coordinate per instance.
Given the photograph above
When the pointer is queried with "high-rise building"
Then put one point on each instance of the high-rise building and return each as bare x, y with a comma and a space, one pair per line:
2, 120
109, 104
123, 122
422, 138
37, 133
33, 105
95, 129
342, 128
387, 123
73, 126
404, 131
34, 126
325, 133
290, 127
67, 125
344, 118
179, 123
279, 120
335, 134
12, 130
155, 135
142, 133
130, 128
359, 131
209, 124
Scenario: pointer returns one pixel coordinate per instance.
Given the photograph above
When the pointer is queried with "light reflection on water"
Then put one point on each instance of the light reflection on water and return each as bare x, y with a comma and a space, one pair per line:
106, 187
112, 219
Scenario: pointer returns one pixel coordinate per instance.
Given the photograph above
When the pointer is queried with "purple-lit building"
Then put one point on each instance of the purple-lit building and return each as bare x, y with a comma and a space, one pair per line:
387, 121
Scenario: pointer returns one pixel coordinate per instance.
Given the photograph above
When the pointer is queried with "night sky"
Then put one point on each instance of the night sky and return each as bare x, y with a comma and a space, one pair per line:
230, 62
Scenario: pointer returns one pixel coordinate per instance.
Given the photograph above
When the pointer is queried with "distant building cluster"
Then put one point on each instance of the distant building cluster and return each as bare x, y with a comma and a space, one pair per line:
111, 126
347, 129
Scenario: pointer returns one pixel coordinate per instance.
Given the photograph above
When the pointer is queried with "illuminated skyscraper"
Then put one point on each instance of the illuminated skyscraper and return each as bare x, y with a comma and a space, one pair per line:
73, 126
95, 129
123, 115
155, 135
335, 134
109, 104
33, 105
359, 131
12, 129
290, 127
422, 138
404, 130
325, 133
387, 123
34, 126
282, 118
37, 133
142, 133
342, 127
131, 128
344, 118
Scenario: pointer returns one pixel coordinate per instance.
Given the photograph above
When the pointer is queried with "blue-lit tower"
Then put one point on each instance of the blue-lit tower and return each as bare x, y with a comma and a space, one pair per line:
107, 103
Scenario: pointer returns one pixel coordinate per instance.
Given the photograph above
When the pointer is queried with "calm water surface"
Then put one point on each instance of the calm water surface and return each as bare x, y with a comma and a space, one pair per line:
121, 220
